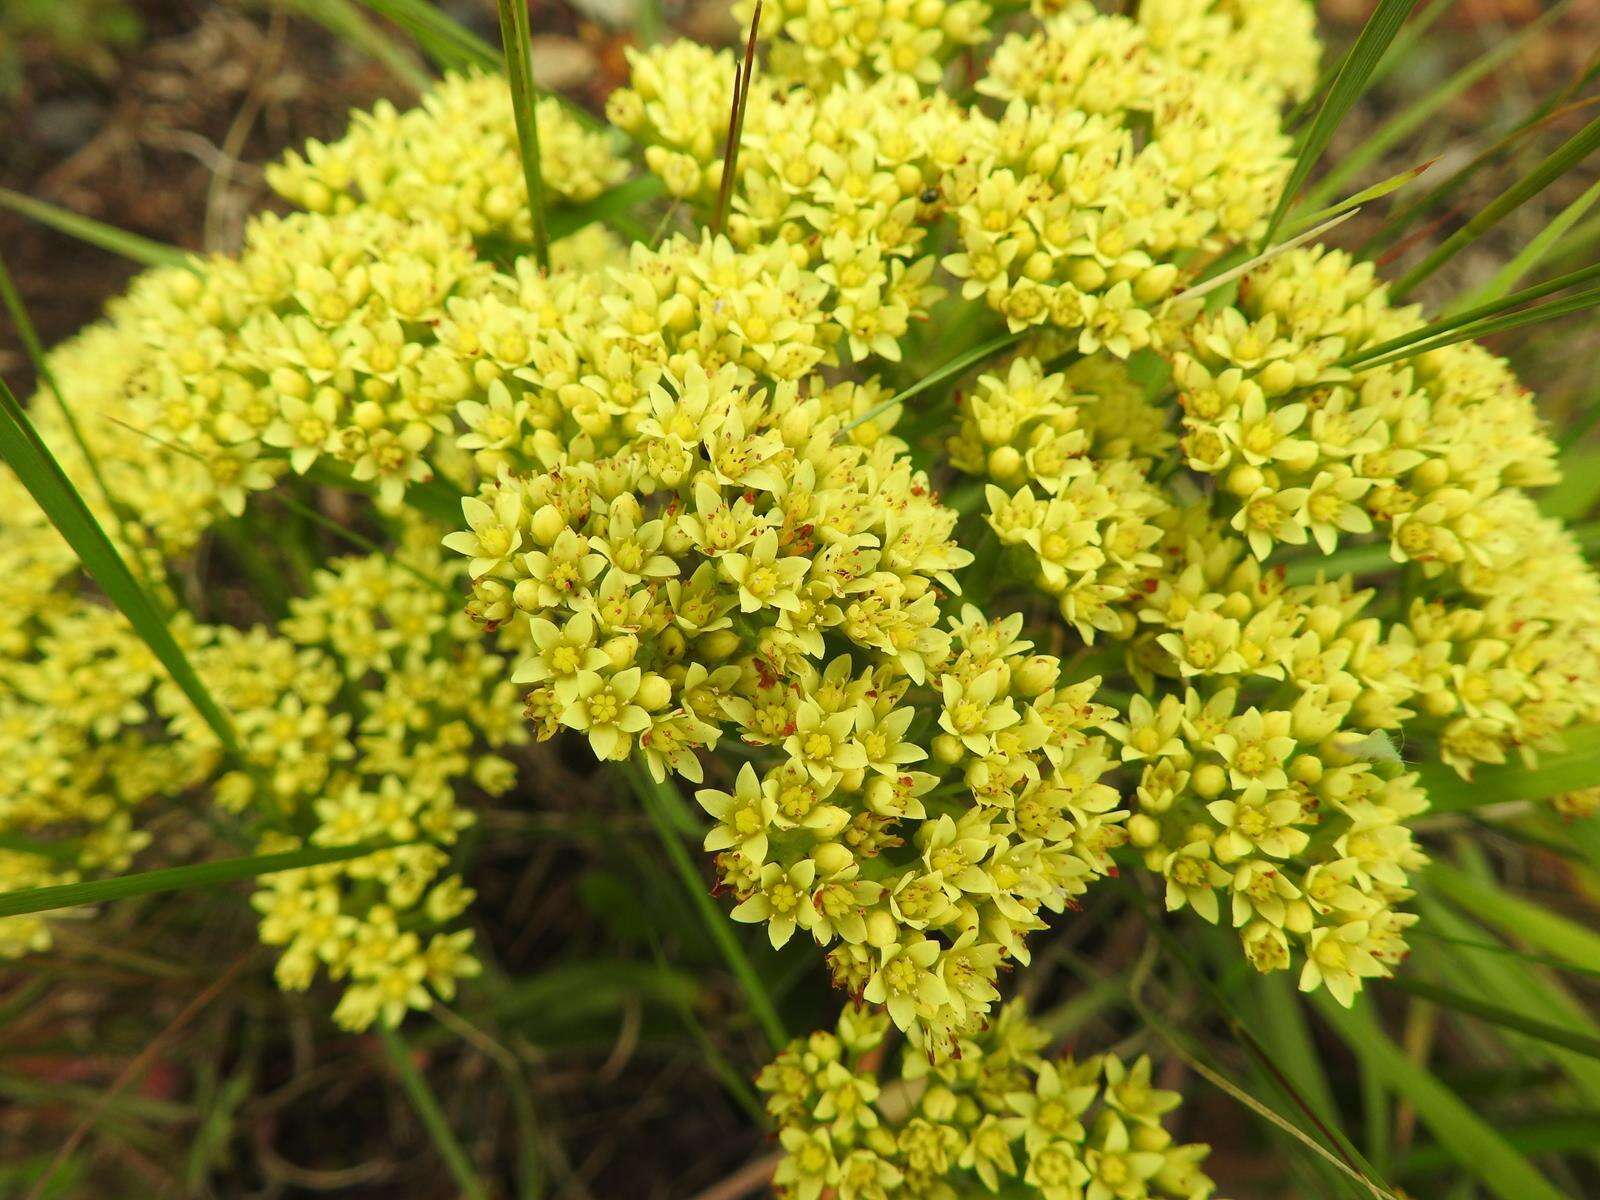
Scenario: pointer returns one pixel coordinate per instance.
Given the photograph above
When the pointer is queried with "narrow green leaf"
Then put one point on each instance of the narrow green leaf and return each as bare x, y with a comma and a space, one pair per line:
344, 20
1347, 560
432, 1116
517, 40
1271, 252
1576, 767
1273, 1010
1579, 241
610, 206
1519, 986
96, 233
450, 44
1530, 256
1478, 1147
25, 451
570, 992
743, 72
1343, 1155
1352, 80
1558, 1134
29, 336
954, 367
63, 851
1376, 192
659, 800
1474, 317
1416, 113
173, 879
1398, 52
650, 24
1267, 1113
1460, 1002
1542, 960
1579, 490
1522, 919
1538, 314
1568, 155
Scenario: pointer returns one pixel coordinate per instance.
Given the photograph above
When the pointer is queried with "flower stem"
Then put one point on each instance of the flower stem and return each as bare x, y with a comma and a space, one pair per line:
660, 801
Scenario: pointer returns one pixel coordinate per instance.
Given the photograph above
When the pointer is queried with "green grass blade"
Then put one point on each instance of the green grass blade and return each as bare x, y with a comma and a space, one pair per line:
1416, 114
1576, 767
615, 207
173, 879
743, 72
1519, 986
1521, 919
1265, 1112
22, 447
432, 1116
29, 336
344, 20
1489, 326
1579, 241
1343, 1155
450, 44
954, 367
1398, 51
1558, 1134
660, 801
1352, 80
649, 23
1376, 192
1207, 286
1477, 1147
517, 40
1541, 960
1273, 1010
1478, 313
128, 245
1531, 255
1555, 1035
1566, 156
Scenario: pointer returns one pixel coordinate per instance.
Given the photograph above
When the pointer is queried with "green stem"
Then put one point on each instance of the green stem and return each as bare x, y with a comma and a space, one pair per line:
517, 39
660, 801
432, 1116
172, 879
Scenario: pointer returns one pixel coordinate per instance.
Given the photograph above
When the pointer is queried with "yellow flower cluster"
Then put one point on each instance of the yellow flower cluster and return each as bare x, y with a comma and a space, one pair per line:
999, 1118
359, 719
695, 508
408, 707
818, 42
846, 179
1271, 44
341, 343
696, 553
453, 162
1114, 173
1432, 454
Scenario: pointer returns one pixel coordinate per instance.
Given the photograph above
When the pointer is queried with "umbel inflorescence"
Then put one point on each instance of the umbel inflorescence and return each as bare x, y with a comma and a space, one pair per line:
926, 521
999, 1114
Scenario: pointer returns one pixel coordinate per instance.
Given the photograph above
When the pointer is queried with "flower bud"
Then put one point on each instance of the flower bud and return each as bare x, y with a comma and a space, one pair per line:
547, 524
832, 857
1143, 831
1037, 675
1209, 780
655, 693
882, 930
621, 650
719, 645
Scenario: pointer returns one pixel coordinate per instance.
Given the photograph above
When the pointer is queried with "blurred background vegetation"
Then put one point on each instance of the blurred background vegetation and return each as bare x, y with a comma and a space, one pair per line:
607, 1053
